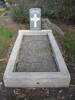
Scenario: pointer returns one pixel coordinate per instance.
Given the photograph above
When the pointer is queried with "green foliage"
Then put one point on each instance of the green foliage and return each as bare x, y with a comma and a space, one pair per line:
5, 36
21, 11
4, 32
1, 12
59, 9
10, 1
69, 44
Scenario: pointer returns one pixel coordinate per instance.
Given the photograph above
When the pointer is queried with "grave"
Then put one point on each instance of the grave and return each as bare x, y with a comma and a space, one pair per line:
36, 60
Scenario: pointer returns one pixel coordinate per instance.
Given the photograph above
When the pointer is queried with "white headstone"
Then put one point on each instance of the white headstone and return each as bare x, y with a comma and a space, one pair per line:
35, 18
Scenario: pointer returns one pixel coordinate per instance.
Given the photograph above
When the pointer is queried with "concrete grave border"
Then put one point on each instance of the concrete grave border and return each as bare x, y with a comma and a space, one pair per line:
36, 79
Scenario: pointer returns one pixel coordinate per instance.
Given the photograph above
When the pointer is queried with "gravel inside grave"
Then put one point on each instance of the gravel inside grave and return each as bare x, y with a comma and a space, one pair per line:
35, 55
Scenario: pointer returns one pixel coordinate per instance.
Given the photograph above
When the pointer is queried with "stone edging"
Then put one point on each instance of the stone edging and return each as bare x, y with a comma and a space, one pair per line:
4, 60
48, 24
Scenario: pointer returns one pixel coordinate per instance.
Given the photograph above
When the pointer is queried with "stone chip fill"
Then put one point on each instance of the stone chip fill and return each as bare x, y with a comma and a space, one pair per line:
35, 55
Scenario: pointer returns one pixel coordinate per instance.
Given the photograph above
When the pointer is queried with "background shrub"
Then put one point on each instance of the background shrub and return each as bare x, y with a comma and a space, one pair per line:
21, 11
5, 37
69, 44
57, 9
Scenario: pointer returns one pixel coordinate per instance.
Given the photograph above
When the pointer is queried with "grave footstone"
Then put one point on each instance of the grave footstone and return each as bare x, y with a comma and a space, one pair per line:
35, 18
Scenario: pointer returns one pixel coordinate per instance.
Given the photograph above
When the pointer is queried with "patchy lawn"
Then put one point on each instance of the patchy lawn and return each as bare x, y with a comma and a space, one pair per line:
69, 45
2, 11
5, 37
8, 30
68, 41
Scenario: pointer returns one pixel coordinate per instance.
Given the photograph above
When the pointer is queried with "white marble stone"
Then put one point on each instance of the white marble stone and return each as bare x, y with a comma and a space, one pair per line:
35, 18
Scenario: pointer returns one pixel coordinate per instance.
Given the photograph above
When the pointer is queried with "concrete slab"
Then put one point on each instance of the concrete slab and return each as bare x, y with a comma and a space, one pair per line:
46, 78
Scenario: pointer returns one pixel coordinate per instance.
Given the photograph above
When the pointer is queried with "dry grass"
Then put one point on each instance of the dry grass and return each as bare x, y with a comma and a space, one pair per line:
7, 29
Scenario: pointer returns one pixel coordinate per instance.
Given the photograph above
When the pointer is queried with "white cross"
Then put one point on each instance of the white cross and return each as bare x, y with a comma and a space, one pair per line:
35, 19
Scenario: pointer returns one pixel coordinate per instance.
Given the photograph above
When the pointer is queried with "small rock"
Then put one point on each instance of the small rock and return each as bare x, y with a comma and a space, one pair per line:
60, 91
25, 99
52, 99
44, 99
73, 68
4, 99
0, 84
33, 88
47, 92
22, 95
63, 97
71, 95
